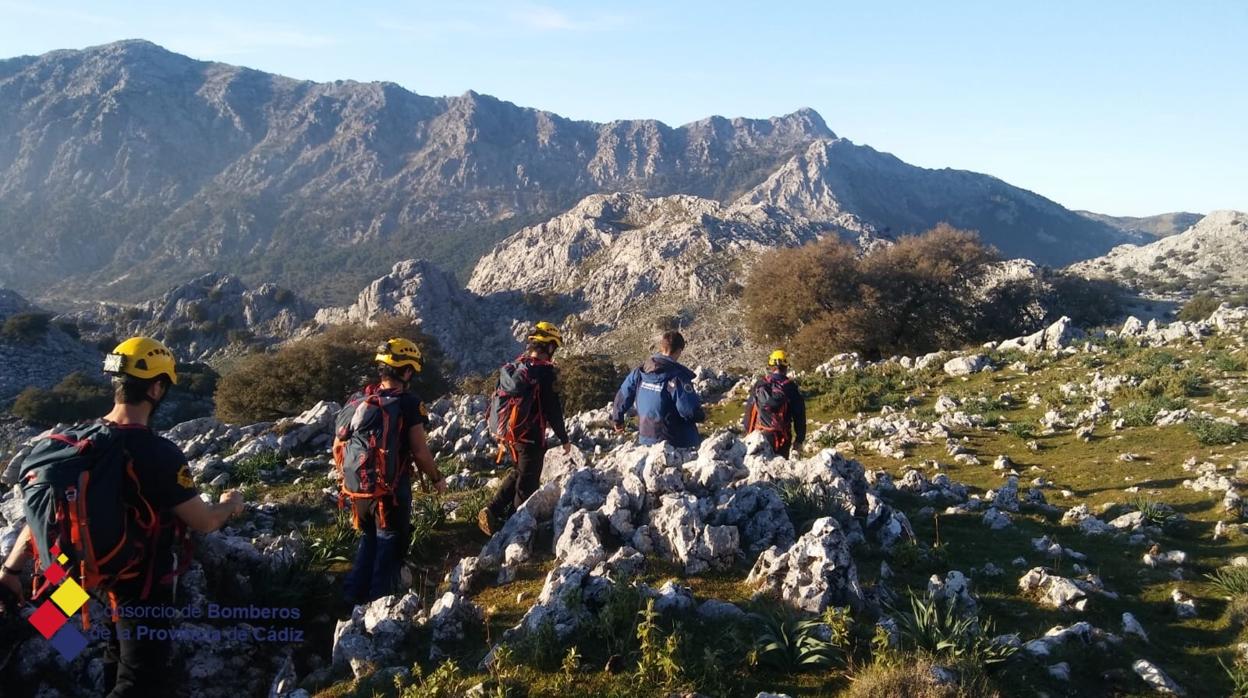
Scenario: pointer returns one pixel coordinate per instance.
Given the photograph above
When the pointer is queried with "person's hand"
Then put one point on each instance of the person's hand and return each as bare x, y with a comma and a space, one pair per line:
13, 583
619, 428
234, 498
439, 485
567, 448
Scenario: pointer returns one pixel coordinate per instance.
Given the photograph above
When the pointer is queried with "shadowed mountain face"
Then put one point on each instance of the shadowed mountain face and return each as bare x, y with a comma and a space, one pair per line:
125, 168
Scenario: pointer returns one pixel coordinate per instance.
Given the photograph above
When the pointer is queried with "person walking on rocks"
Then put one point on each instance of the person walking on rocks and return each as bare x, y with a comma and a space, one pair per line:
378, 435
668, 406
525, 403
776, 407
108, 504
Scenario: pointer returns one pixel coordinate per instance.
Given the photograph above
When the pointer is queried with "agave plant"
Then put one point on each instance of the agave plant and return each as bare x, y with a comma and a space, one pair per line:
792, 645
935, 627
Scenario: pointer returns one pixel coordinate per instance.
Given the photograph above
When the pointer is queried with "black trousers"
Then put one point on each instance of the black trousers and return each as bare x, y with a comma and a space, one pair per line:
136, 665
522, 481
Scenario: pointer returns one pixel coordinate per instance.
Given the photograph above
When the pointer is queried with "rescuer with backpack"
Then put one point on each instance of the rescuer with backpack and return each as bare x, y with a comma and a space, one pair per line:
776, 407
378, 434
108, 504
524, 404
668, 407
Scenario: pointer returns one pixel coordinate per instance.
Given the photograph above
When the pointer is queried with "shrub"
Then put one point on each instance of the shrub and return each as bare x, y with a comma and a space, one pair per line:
859, 390
76, 398
197, 379
1201, 306
1212, 432
332, 543
447, 681
1144, 413
1023, 430
588, 381
26, 328
330, 366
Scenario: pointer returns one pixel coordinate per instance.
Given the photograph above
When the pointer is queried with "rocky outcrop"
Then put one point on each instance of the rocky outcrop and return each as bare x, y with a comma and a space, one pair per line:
619, 261
476, 333
202, 318
1208, 256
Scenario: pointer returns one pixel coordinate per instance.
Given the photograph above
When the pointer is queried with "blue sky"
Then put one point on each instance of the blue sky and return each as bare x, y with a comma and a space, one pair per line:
1128, 108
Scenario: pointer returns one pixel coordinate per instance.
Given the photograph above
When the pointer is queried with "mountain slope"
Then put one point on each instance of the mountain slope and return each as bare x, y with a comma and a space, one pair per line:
126, 153
125, 169
1147, 227
1209, 256
837, 177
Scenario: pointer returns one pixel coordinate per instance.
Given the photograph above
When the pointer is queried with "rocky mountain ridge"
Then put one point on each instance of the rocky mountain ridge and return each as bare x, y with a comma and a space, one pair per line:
126, 166
166, 159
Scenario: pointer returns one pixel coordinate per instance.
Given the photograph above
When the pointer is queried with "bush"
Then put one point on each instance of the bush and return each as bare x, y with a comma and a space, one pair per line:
924, 293
588, 381
1200, 307
1212, 432
1144, 413
329, 366
26, 328
76, 398
197, 379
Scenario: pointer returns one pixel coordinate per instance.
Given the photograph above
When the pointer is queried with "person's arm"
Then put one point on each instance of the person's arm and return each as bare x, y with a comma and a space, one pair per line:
206, 518
797, 413
11, 574
624, 398
688, 404
552, 408
423, 458
745, 416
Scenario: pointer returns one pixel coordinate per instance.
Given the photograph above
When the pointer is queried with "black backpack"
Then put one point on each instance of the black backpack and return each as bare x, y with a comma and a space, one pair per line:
770, 410
86, 510
369, 433
515, 413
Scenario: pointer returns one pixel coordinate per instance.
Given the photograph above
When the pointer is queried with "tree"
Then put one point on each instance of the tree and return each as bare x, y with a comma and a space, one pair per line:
588, 381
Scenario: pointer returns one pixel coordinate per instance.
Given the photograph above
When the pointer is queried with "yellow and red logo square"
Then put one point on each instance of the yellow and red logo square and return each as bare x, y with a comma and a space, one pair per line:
51, 617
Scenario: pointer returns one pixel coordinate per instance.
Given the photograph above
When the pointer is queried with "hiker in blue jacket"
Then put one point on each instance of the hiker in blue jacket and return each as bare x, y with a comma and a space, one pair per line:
668, 408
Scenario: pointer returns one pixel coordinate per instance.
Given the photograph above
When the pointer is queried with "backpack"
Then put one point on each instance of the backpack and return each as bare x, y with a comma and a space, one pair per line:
83, 475
770, 411
369, 433
515, 413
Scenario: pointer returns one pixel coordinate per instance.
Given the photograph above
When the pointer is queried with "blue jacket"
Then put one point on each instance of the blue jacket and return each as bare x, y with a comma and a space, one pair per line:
668, 408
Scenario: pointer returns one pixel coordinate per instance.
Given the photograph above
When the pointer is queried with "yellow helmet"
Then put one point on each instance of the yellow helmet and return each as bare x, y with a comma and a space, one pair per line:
141, 357
778, 358
546, 332
399, 352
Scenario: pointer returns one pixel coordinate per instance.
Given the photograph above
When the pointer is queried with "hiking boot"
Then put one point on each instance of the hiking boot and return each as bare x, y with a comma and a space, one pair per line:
488, 522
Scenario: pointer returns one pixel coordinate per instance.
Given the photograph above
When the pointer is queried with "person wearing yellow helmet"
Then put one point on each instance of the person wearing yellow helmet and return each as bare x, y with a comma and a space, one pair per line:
380, 434
776, 407
142, 371
526, 403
